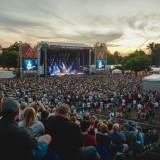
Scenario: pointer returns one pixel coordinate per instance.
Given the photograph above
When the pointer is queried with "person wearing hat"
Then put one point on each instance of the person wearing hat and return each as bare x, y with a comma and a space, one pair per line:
16, 142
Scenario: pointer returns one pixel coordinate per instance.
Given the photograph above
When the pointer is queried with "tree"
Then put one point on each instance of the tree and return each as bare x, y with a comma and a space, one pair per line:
110, 59
9, 56
137, 61
100, 45
117, 57
151, 46
155, 53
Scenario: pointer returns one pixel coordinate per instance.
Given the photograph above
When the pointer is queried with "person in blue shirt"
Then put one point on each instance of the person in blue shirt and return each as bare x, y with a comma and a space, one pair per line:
118, 138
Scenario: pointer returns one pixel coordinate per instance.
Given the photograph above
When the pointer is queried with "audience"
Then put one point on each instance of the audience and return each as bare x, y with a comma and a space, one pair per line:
118, 138
88, 140
31, 124
16, 142
66, 137
65, 106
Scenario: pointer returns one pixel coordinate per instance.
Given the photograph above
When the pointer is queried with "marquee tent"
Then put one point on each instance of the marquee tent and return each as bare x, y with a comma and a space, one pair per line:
6, 74
151, 82
116, 71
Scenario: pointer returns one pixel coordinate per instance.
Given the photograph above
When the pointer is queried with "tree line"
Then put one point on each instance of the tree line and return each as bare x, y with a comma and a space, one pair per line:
136, 61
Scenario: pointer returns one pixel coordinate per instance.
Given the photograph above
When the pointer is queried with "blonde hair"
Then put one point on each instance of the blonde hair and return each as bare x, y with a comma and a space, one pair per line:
30, 117
103, 128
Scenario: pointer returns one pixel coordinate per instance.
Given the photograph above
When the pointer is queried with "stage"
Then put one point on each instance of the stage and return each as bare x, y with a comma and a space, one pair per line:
63, 58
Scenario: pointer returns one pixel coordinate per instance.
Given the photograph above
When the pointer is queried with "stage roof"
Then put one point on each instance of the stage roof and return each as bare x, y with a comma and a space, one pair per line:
64, 45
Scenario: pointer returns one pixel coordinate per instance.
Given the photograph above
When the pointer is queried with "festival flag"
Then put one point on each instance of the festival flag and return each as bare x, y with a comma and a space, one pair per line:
29, 52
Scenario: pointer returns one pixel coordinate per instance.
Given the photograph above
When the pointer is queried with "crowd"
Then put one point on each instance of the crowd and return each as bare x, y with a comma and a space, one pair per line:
118, 94
54, 117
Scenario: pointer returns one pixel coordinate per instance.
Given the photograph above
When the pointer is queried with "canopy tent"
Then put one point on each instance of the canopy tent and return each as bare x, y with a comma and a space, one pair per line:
116, 71
153, 77
155, 70
6, 74
151, 82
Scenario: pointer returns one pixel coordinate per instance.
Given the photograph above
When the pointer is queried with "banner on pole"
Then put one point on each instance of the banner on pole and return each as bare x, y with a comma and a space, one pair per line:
100, 59
29, 52
100, 54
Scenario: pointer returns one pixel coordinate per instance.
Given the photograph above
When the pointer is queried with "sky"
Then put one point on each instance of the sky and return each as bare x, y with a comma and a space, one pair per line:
124, 25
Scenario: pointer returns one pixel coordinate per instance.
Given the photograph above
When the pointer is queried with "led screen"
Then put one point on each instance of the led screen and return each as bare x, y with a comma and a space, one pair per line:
30, 65
61, 63
100, 64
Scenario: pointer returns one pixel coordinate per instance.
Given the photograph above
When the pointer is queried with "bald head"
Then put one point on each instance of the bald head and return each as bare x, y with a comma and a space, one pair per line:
115, 127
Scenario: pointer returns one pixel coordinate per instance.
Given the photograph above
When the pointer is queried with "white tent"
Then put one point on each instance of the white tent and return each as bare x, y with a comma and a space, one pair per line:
153, 77
6, 74
155, 68
151, 82
116, 71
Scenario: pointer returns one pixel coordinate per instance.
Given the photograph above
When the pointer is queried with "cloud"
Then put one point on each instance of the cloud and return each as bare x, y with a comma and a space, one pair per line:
121, 24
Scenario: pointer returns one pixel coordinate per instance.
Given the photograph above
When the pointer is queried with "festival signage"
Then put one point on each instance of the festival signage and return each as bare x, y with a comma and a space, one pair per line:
100, 59
29, 61
100, 54
29, 52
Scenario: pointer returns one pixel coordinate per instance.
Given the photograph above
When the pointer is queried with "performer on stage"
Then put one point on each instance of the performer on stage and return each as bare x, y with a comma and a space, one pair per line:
29, 66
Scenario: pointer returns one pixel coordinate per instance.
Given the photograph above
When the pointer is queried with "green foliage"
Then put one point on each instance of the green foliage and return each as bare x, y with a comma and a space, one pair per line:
120, 67
137, 61
9, 56
155, 53
110, 59
117, 57
100, 45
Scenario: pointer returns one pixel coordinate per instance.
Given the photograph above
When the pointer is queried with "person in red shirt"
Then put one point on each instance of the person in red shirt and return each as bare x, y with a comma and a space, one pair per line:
89, 140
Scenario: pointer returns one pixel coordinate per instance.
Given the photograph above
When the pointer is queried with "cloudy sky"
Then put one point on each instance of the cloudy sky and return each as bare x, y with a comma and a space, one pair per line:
124, 25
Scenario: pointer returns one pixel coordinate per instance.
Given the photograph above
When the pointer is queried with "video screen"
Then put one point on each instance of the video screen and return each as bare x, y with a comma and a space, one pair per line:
100, 64
30, 65
63, 63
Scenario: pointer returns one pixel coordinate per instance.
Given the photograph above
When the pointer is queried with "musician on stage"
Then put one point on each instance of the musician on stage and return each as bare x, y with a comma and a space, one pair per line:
29, 66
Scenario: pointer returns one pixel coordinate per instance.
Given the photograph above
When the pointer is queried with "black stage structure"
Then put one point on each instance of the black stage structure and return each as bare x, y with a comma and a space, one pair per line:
64, 58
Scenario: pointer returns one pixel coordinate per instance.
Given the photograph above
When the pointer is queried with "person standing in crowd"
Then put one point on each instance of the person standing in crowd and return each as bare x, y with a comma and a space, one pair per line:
89, 140
16, 142
104, 140
118, 138
63, 130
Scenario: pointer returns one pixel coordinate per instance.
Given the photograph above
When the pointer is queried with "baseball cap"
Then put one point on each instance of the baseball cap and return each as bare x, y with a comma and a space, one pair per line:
11, 104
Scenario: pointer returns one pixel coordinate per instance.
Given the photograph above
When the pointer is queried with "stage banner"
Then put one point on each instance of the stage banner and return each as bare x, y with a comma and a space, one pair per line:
101, 59
29, 52
100, 54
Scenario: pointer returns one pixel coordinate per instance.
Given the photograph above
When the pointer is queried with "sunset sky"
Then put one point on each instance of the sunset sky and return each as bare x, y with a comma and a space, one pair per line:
124, 25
